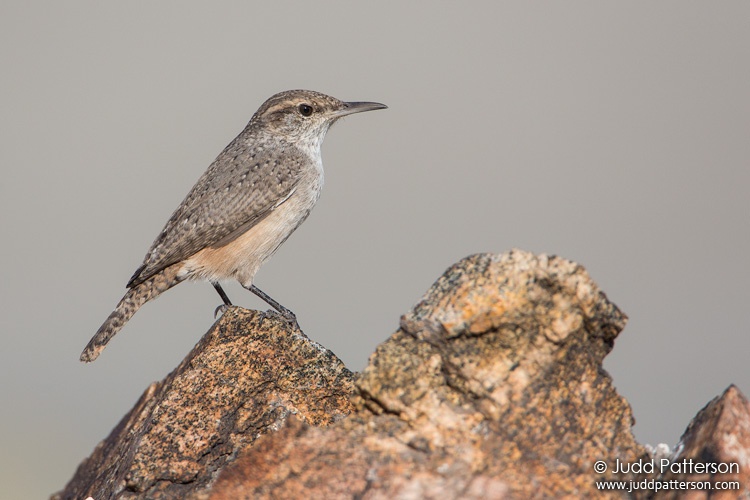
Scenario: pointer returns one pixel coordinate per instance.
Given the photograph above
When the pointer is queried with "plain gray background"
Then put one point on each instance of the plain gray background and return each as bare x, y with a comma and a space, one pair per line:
613, 134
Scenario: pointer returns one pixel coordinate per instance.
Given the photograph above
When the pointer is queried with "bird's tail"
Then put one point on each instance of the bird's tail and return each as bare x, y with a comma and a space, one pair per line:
129, 304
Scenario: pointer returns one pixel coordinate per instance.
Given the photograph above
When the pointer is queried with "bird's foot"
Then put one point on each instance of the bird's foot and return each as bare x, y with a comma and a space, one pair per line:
289, 317
219, 311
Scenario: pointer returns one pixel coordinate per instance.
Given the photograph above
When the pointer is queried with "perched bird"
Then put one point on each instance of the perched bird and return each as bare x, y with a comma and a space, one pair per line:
247, 203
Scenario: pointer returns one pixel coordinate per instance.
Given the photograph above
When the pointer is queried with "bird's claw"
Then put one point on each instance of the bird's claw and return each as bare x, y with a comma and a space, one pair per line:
220, 310
290, 318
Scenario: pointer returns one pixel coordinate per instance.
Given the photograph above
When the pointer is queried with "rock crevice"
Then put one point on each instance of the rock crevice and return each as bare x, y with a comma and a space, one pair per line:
492, 387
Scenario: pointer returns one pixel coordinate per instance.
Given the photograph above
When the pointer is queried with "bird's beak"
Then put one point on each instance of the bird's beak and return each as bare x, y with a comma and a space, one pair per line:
358, 107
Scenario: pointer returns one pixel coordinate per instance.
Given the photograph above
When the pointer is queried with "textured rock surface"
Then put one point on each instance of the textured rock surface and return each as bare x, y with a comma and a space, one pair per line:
245, 377
491, 388
719, 433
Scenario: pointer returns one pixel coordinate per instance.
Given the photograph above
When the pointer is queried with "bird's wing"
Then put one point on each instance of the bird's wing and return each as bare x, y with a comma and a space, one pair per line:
237, 191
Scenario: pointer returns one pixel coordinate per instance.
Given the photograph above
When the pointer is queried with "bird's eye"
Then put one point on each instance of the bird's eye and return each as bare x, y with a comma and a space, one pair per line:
305, 109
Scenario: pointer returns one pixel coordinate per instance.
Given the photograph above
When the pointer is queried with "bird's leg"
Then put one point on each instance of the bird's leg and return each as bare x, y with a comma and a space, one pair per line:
224, 297
222, 294
289, 315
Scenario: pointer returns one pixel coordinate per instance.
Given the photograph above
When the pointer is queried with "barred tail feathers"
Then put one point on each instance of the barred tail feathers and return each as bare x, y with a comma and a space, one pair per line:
126, 308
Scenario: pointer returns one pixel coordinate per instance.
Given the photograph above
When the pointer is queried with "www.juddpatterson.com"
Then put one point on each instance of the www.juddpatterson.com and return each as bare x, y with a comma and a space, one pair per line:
662, 466
673, 484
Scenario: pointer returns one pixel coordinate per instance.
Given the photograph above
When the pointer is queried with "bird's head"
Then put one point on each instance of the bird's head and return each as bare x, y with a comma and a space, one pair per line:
305, 115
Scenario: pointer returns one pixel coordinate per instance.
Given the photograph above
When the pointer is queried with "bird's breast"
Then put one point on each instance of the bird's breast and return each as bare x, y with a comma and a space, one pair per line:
241, 257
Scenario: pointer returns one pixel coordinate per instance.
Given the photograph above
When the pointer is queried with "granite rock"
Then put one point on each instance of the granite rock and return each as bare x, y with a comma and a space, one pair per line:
244, 379
492, 388
719, 434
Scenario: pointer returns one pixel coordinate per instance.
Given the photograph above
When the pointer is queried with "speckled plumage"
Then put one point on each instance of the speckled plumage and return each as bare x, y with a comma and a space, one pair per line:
247, 203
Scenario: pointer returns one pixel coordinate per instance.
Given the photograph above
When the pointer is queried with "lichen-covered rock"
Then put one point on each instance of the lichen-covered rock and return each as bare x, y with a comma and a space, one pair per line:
245, 377
719, 434
492, 388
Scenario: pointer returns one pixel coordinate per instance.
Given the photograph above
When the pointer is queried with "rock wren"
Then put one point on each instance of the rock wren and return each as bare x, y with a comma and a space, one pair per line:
247, 203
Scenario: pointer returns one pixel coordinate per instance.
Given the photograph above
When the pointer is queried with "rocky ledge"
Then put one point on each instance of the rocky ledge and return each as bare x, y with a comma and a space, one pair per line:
492, 387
